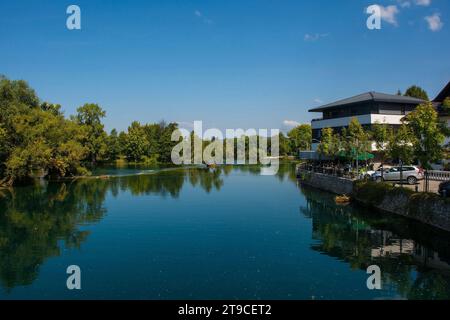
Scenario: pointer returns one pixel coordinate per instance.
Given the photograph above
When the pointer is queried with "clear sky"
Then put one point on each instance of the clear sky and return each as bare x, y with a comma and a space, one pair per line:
229, 63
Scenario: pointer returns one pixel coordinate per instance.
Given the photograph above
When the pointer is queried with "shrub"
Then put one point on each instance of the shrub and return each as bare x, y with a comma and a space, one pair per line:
373, 193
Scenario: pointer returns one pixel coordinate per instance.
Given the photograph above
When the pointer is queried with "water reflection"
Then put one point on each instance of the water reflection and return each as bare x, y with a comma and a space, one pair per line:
39, 222
414, 269
34, 219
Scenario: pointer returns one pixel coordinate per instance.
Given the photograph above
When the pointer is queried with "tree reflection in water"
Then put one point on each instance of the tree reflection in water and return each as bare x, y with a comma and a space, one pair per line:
34, 219
38, 222
414, 259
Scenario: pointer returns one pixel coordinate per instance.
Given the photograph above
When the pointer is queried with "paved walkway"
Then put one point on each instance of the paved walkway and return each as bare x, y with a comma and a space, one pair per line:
433, 185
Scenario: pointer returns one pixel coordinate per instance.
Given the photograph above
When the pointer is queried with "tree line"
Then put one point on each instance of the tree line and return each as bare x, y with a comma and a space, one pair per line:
36, 139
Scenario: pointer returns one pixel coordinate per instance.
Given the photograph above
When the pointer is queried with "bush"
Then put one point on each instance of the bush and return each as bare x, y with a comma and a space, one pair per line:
373, 193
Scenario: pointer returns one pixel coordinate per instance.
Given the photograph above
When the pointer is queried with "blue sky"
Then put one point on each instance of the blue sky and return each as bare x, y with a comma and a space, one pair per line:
229, 63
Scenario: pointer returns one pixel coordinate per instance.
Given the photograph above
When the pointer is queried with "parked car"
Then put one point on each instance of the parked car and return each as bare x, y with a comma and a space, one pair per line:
411, 174
444, 189
370, 174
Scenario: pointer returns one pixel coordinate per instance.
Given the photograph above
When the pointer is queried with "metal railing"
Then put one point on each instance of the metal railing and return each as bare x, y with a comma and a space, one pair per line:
337, 171
436, 175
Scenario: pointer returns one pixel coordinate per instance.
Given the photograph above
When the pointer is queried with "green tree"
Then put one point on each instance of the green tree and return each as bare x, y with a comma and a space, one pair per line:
165, 141
284, 145
357, 139
89, 116
428, 133
153, 133
300, 138
35, 137
114, 147
400, 145
50, 146
325, 147
16, 98
417, 92
52, 108
136, 143
380, 135
446, 105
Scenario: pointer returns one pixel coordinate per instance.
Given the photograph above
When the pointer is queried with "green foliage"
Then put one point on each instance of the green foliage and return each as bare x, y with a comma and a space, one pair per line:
165, 141
285, 145
381, 134
136, 143
325, 147
373, 193
428, 133
150, 142
401, 144
300, 138
357, 140
446, 105
49, 146
89, 116
114, 148
417, 92
35, 138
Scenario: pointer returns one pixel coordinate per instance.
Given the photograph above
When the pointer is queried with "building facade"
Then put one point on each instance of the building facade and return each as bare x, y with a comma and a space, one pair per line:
369, 108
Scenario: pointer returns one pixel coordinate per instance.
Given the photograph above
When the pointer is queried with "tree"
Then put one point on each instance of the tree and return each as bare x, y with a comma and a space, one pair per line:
417, 92
284, 145
428, 133
89, 116
136, 143
381, 134
153, 133
16, 98
53, 108
446, 105
357, 139
35, 137
337, 144
165, 141
401, 143
50, 146
300, 138
114, 147
325, 147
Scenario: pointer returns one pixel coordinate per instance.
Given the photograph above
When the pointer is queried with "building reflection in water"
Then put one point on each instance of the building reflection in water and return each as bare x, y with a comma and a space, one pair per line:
414, 259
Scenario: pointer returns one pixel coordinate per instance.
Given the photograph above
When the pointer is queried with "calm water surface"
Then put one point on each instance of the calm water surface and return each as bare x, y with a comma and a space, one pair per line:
197, 234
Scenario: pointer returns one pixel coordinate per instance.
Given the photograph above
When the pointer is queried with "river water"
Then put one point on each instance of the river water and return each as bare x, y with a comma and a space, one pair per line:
192, 233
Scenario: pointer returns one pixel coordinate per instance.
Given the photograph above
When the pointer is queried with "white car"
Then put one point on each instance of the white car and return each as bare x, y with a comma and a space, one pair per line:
410, 174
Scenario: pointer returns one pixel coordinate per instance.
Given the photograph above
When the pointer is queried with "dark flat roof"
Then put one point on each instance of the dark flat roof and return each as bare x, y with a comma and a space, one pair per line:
369, 96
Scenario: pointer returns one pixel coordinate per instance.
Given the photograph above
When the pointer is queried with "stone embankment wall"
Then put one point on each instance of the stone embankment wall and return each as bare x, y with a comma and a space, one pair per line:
326, 182
427, 208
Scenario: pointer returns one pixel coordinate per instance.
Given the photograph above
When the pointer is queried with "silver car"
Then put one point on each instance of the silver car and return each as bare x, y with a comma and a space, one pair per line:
410, 174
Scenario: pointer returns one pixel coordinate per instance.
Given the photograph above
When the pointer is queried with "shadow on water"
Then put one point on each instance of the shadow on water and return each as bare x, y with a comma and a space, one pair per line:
414, 259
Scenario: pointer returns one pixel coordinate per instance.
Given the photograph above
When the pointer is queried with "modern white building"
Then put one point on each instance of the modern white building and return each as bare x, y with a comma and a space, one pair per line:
369, 108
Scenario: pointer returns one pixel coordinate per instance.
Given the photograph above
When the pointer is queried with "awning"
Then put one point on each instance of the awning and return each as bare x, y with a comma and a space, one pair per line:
364, 156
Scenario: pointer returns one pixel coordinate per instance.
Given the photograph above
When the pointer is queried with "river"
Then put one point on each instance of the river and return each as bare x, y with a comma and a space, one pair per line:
191, 233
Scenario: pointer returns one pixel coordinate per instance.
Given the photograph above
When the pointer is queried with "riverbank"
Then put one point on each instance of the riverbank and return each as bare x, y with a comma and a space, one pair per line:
424, 207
